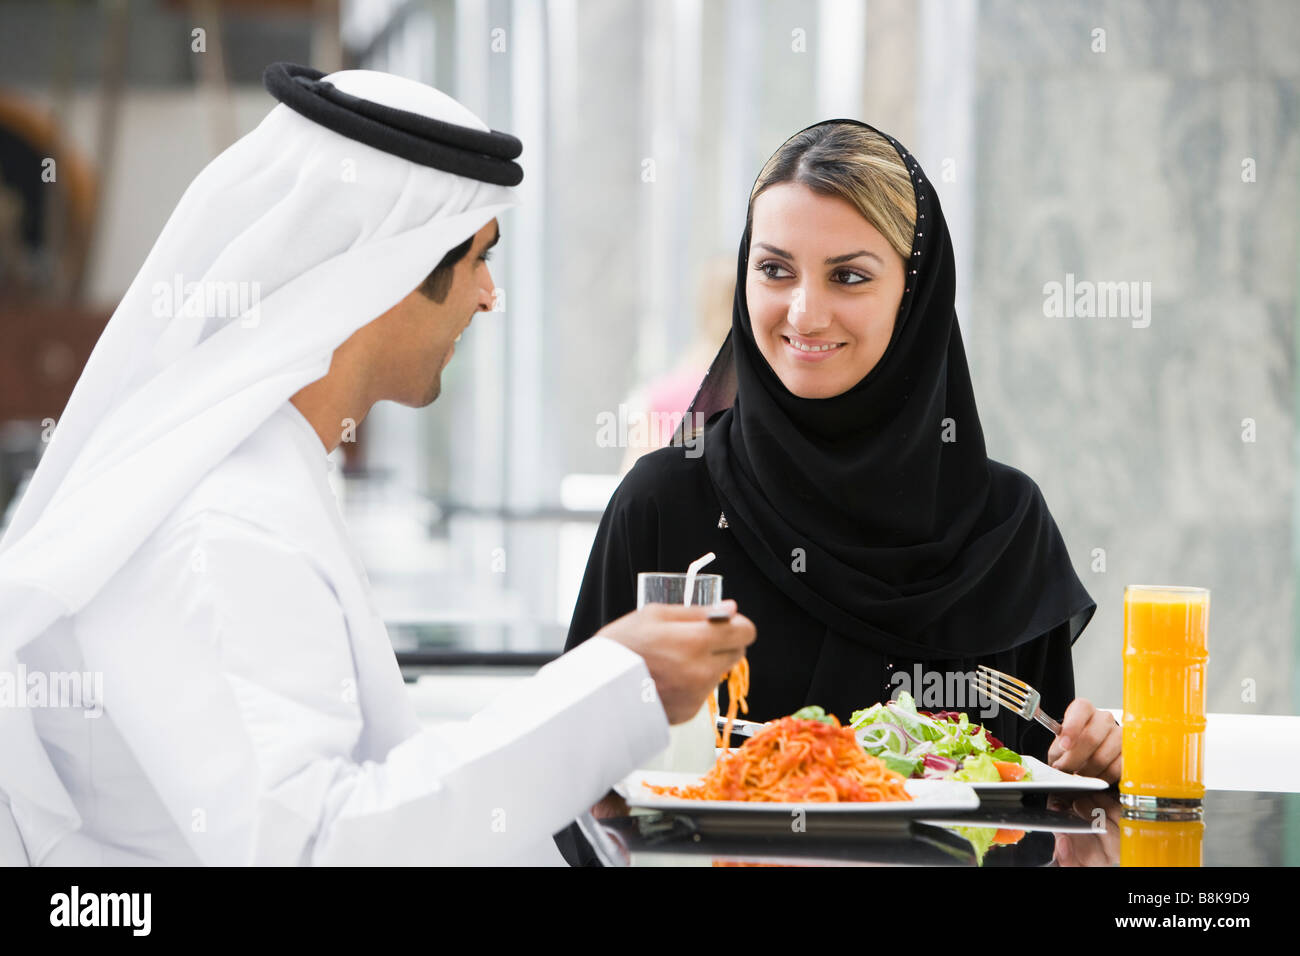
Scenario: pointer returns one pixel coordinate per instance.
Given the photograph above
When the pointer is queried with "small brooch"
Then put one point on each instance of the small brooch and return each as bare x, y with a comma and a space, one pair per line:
722, 519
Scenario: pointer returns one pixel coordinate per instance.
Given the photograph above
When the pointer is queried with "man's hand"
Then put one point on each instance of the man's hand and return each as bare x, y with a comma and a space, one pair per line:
1089, 743
687, 654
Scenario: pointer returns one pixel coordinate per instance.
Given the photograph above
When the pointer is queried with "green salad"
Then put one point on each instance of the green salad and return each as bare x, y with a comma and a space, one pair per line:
943, 745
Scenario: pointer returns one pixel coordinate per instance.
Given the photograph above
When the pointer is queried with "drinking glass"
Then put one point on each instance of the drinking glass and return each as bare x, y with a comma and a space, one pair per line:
1166, 631
692, 745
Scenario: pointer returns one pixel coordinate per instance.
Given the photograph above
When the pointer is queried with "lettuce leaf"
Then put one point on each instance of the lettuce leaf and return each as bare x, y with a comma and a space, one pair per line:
812, 712
907, 766
978, 769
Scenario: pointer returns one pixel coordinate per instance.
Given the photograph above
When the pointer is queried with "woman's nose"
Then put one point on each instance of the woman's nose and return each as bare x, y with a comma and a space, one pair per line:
806, 315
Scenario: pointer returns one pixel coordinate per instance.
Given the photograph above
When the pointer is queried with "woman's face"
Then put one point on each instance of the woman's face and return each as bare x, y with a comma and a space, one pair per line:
823, 288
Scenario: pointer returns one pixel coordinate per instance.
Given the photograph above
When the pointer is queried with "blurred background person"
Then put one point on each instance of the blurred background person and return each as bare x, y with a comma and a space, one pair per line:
662, 402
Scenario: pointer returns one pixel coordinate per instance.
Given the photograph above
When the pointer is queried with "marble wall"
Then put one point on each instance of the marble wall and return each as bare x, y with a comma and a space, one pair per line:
1164, 444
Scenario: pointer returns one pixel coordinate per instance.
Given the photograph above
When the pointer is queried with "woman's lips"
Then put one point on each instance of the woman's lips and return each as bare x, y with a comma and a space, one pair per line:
804, 355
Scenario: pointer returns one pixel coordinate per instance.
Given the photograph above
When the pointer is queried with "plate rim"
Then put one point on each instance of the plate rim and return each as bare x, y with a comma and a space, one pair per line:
1059, 780
970, 799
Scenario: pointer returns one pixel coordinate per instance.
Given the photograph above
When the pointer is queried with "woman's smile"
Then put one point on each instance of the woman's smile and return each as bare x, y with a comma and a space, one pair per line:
803, 349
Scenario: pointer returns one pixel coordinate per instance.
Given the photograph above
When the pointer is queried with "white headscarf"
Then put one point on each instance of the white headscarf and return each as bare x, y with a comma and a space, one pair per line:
325, 234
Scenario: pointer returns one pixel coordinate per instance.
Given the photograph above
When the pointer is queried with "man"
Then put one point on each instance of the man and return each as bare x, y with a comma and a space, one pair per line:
180, 546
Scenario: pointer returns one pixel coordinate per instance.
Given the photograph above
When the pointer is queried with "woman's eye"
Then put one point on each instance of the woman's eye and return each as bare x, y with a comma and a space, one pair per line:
849, 277
767, 268
486, 256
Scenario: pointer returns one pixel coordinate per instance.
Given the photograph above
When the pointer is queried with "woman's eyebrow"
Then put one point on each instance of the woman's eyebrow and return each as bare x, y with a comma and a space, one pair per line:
853, 255
833, 261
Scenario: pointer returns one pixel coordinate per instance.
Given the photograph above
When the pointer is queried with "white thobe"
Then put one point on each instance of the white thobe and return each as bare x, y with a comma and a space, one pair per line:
253, 710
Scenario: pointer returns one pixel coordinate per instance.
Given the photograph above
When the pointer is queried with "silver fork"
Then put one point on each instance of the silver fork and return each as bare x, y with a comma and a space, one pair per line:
742, 728
1013, 693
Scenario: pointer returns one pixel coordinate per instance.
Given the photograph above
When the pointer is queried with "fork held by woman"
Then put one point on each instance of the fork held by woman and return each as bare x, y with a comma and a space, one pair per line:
1087, 740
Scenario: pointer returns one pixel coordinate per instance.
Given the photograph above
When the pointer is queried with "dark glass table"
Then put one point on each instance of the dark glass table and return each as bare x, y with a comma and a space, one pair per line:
1239, 828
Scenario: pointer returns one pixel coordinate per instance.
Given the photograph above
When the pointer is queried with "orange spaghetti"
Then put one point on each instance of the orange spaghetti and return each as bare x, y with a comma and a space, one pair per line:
737, 691
796, 761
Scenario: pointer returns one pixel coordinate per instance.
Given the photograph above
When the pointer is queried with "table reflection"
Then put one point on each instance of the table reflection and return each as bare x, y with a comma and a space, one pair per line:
1100, 844
1240, 828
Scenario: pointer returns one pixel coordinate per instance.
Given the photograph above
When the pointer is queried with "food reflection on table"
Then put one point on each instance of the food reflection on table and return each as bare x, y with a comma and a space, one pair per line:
1088, 829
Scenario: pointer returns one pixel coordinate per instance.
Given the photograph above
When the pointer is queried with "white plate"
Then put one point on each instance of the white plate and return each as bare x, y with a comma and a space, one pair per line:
928, 797
1046, 780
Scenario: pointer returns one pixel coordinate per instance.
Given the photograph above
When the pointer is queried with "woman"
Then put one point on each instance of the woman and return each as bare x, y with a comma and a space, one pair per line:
844, 484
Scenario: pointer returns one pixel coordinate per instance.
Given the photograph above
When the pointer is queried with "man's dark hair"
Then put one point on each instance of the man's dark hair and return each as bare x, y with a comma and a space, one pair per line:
438, 282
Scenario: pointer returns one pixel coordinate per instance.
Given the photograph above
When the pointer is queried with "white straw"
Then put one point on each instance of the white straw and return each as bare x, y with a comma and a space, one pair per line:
690, 575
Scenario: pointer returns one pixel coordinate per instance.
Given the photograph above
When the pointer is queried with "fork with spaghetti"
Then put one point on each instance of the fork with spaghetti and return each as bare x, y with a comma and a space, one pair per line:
737, 682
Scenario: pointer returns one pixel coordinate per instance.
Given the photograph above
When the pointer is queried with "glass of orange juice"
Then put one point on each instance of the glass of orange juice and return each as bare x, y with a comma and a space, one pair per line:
1166, 630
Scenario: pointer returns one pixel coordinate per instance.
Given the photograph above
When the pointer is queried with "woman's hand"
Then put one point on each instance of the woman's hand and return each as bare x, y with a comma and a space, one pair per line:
1089, 743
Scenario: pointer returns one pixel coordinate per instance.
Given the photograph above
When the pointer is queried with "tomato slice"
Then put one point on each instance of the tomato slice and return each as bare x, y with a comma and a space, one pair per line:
1008, 836
1008, 770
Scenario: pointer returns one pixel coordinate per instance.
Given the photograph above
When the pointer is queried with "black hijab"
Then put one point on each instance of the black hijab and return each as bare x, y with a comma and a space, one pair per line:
911, 544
